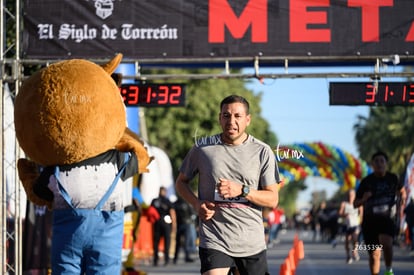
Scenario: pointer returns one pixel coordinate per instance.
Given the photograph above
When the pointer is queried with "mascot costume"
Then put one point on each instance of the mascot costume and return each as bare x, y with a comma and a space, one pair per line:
70, 121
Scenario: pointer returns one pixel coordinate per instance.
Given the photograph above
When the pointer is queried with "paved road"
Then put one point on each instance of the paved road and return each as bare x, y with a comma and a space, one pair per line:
320, 259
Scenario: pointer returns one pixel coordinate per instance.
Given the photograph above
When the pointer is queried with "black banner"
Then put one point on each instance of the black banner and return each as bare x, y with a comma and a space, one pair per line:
143, 29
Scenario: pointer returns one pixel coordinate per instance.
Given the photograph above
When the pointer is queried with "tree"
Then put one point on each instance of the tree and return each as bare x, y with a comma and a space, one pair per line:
390, 129
288, 195
175, 129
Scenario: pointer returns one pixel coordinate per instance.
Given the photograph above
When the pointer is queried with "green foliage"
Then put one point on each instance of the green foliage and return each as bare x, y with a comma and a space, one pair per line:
390, 129
288, 195
174, 129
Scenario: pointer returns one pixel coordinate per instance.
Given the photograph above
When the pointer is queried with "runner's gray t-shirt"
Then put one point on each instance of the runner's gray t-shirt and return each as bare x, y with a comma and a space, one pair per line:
237, 226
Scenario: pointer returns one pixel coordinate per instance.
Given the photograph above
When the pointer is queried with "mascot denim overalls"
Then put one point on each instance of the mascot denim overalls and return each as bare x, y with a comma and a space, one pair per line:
87, 241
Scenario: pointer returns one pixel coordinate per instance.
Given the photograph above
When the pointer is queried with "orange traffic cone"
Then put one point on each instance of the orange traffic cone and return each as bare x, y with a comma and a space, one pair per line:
300, 250
295, 238
285, 268
293, 262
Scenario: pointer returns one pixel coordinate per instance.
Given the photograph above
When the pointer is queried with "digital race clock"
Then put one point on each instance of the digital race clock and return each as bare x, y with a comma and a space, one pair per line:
381, 93
153, 94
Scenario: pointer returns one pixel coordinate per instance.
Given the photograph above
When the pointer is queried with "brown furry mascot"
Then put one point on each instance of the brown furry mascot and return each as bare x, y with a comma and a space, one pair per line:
70, 121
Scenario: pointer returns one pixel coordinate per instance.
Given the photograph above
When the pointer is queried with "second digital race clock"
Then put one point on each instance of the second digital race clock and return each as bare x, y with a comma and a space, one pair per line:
375, 94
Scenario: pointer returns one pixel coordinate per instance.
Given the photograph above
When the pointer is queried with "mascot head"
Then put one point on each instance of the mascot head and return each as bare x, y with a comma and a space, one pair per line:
70, 111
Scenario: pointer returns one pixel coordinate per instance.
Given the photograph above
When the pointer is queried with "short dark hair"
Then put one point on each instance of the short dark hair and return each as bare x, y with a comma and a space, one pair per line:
379, 153
235, 99
162, 189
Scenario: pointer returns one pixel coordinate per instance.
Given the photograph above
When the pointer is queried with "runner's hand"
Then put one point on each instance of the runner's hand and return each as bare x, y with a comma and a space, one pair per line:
206, 210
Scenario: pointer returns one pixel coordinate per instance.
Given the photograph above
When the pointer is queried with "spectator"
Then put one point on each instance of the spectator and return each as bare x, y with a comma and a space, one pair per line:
313, 221
275, 218
136, 209
328, 220
164, 225
185, 229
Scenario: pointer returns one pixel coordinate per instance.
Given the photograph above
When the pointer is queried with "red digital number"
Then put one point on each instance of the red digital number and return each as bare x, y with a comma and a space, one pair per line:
175, 94
133, 95
410, 93
404, 95
123, 92
163, 94
149, 94
386, 93
370, 92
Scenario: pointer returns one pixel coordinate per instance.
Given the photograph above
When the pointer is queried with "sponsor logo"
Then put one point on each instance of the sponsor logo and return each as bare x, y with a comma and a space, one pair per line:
104, 8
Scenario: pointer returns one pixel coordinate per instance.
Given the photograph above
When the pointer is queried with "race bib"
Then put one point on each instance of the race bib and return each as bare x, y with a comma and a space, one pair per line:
381, 209
219, 198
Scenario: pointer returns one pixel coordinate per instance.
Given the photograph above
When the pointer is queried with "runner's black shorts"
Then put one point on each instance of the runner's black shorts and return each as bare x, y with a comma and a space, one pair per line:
373, 226
255, 264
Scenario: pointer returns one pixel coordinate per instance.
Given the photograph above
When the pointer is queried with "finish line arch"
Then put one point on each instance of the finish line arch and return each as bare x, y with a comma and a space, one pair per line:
300, 160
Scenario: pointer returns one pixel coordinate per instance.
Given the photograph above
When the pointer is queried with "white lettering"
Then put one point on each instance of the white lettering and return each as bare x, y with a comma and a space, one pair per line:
45, 31
129, 32
76, 99
210, 140
108, 33
68, 31
286, 153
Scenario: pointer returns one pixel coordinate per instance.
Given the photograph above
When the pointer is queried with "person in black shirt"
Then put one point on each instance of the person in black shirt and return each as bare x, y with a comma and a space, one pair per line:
164, 225
378, 194
185, 229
